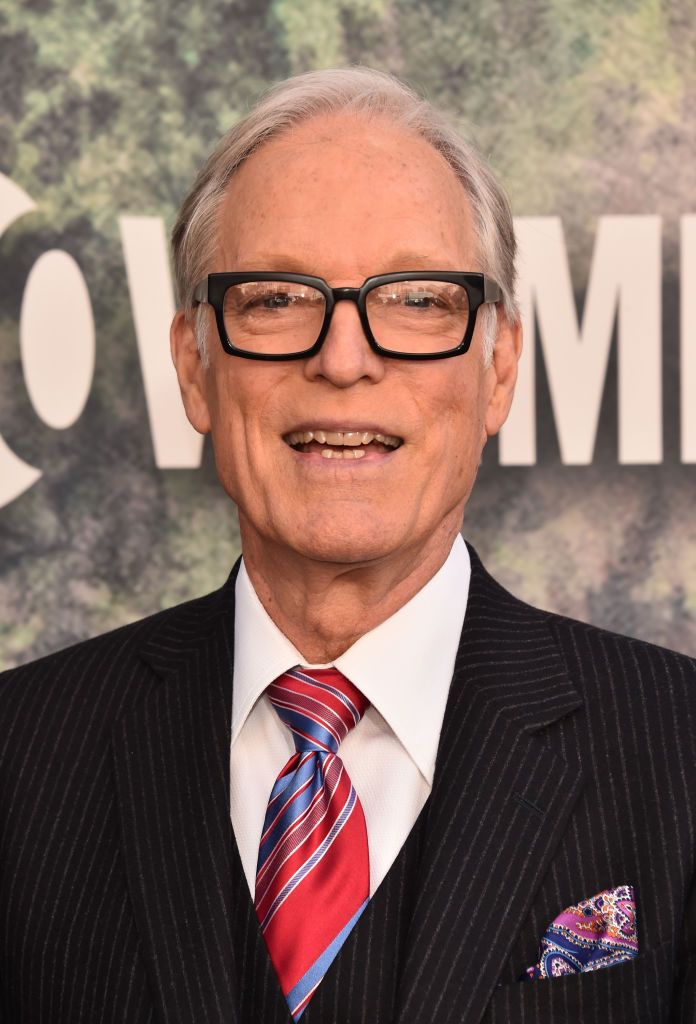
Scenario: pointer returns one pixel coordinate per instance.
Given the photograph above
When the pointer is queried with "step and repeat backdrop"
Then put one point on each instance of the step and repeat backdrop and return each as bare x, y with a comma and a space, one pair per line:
109, 505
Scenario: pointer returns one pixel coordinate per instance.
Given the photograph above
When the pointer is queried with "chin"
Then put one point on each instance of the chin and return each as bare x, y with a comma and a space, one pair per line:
349, 546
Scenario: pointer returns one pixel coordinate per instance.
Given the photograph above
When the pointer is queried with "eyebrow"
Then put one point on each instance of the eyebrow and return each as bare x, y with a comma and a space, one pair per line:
273, 261
293, 264
408, 260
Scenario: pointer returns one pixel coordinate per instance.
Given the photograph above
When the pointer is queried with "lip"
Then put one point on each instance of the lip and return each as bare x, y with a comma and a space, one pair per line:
333, 425
317, 460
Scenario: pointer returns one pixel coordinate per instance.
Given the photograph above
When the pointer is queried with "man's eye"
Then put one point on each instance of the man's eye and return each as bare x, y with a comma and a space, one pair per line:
423, 300
259, 301
279, 300
420, 300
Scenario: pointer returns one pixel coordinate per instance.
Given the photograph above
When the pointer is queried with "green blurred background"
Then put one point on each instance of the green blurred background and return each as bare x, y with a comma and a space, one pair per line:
108, 108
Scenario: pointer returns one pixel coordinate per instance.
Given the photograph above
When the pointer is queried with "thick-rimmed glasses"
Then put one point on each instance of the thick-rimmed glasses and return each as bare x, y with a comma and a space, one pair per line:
409, 315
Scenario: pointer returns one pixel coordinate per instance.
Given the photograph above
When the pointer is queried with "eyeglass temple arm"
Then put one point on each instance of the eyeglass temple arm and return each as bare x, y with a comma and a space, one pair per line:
492, 292
200, 292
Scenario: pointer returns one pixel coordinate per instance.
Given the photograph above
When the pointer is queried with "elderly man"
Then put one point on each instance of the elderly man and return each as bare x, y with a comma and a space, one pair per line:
360, 782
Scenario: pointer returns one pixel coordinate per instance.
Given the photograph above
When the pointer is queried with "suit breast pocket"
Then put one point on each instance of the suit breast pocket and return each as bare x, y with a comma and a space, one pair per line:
637, 991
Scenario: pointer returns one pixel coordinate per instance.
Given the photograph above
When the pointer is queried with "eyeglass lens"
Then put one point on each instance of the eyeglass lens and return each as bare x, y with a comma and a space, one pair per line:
280, 317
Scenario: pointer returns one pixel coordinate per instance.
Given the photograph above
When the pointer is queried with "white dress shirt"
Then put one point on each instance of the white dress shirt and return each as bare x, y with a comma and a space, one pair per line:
404, 667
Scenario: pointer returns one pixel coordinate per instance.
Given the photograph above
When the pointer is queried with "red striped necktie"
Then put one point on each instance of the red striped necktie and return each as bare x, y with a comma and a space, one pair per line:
313, 874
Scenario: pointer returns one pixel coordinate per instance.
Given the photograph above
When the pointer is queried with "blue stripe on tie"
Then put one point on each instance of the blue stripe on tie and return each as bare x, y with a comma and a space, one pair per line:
290, 814
293, 780
320, 966
313, 732
317, 856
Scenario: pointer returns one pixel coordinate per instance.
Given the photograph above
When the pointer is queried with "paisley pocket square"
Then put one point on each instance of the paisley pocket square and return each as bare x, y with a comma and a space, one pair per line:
597, 932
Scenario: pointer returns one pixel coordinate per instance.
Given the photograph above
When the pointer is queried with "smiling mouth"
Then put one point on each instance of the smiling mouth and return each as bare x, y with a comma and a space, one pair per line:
342, 444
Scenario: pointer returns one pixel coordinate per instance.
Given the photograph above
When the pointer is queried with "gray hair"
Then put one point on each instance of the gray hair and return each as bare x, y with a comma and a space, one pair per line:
355, 90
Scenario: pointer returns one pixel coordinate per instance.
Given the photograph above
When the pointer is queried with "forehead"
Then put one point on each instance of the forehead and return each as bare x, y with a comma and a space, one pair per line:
342, 194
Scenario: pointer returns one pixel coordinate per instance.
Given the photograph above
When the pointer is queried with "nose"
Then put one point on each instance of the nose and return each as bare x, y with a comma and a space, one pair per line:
345, 357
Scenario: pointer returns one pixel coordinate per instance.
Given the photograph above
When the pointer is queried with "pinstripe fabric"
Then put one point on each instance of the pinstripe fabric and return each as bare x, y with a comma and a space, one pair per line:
567, 765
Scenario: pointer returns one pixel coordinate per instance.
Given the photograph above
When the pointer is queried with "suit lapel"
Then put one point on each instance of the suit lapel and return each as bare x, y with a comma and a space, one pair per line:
500, 802
171, 757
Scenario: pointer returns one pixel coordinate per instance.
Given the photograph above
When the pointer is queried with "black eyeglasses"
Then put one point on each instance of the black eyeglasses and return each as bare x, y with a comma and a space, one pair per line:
409, 315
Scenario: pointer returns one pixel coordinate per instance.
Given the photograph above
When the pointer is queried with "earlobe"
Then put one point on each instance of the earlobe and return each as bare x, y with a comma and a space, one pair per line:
190, 372
506, 356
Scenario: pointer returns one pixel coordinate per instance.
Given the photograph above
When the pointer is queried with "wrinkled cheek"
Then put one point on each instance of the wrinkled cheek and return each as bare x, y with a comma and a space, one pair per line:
228, 419
262, 484
231, 460
462, 459
226, 469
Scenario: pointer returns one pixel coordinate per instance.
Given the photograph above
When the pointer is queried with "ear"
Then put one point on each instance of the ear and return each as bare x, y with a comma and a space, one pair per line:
190, 372
506, 356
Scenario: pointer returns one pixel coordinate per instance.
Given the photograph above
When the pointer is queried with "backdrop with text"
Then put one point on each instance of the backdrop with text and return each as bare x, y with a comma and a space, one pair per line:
109, 504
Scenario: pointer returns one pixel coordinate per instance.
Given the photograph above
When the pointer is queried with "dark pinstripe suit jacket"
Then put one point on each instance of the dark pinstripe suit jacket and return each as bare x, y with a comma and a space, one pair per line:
567, 765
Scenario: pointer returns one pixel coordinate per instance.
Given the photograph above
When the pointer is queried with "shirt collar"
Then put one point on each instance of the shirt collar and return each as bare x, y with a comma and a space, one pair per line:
403, 666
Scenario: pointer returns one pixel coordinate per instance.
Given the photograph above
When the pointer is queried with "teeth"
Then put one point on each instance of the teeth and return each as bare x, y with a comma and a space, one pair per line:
350, 438
350, 453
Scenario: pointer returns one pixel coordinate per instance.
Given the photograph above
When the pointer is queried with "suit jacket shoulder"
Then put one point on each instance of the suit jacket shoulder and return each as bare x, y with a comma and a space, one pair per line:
88, 685
630, 668
615, 673
100, 745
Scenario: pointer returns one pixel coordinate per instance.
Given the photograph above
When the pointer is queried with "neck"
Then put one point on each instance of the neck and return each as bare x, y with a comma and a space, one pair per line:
324, 607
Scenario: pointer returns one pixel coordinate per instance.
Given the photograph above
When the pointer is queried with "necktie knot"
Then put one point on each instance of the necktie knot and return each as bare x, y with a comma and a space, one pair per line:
319, 706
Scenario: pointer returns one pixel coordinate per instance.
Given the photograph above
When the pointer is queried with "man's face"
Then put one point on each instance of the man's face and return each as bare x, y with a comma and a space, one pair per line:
344, 198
